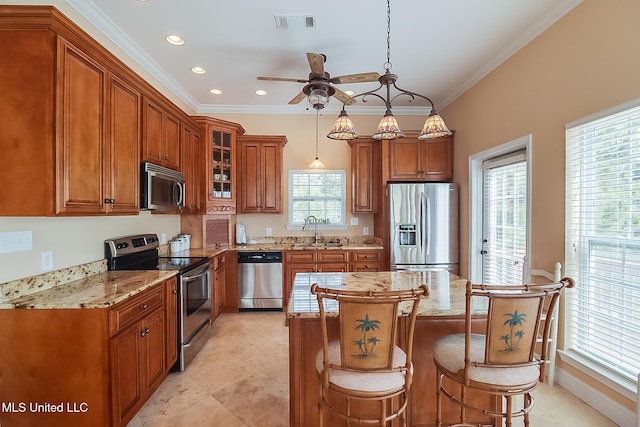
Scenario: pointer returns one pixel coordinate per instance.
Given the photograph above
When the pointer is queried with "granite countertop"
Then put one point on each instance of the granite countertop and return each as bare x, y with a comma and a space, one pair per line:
98, 291
447, 291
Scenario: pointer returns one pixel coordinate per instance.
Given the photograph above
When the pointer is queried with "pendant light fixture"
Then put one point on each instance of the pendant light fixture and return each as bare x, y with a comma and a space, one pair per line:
388, 128
316, 163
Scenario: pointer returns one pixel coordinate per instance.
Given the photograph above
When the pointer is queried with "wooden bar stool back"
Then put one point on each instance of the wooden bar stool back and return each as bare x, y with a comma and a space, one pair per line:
365, 363
502, 361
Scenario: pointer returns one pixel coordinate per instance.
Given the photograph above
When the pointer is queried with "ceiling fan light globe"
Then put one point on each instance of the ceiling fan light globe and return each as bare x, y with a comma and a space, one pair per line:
318, 98
388, 129
434, 127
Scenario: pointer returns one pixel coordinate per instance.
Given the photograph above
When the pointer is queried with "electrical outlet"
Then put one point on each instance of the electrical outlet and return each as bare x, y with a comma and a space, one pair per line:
365, 231
47, 260
268, 231
354, 220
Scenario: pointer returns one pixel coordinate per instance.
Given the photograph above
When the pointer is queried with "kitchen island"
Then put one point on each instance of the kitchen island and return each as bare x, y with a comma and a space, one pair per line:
440, 314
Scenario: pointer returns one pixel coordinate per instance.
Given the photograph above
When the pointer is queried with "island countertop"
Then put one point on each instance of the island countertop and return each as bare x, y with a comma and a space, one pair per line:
446, 298
97, 291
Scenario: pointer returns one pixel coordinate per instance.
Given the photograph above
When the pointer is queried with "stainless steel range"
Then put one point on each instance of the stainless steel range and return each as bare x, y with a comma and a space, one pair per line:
140, 252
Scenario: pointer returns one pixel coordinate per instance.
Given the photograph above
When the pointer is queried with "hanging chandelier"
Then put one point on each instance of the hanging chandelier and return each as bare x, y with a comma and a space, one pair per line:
434, 126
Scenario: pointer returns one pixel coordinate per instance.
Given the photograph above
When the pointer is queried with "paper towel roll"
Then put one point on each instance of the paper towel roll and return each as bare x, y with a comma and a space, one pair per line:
241, 236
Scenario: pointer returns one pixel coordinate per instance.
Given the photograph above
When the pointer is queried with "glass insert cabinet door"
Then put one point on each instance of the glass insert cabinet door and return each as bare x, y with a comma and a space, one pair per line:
222, 162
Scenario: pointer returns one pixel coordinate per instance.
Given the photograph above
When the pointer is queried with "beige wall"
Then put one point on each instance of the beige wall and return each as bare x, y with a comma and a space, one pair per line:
586, 62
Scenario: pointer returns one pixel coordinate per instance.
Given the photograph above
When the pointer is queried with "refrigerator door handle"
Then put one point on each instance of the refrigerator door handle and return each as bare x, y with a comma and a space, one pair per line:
426, 223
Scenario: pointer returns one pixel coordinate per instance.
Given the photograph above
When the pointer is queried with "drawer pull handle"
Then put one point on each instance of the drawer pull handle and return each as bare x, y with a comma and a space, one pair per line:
145, 332
144, 306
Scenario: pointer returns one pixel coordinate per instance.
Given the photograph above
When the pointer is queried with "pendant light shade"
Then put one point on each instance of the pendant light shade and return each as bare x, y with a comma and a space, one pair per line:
316, 164
388, 128
434, 127
343, 128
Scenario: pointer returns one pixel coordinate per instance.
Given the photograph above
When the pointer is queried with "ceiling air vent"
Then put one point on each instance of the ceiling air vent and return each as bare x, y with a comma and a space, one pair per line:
295, 22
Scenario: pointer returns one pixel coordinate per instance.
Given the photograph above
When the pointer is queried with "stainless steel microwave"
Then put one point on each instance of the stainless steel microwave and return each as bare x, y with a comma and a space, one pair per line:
161, 188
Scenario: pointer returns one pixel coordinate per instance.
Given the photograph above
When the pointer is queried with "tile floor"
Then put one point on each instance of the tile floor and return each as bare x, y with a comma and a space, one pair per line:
231, 383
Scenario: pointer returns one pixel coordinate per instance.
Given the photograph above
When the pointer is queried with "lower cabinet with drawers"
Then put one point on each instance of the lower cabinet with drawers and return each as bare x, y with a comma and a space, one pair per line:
327, 260
86, 366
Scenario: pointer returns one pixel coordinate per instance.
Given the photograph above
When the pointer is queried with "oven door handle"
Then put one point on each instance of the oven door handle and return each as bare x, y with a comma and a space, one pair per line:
196, 273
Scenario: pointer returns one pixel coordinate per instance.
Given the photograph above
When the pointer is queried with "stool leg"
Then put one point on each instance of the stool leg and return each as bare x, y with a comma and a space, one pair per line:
438, 398
509, 411
527, 402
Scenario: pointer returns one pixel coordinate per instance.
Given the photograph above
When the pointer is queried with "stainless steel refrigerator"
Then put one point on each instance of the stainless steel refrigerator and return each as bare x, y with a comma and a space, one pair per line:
424, 226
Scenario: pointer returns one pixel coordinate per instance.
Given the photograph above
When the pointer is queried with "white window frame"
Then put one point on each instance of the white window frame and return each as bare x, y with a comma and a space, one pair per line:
476, 191
624, 386
343, 195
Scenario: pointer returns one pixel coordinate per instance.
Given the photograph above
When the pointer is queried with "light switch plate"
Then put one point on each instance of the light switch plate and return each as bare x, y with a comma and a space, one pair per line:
365, 231
354, 220
268, 231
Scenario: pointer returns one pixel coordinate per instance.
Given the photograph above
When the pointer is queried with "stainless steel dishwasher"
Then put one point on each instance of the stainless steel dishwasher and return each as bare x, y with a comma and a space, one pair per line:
259, 280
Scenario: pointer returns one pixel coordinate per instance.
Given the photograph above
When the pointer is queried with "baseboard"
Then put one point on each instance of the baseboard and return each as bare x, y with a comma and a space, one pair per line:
599, 401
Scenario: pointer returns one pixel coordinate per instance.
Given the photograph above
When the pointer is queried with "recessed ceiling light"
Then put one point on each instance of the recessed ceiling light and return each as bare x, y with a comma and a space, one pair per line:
215, 91
198, 70
175, 40
261, 92
349, 92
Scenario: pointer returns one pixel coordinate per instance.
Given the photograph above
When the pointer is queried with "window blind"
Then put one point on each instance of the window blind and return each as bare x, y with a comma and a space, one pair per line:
602, 239
318, 193
504, 218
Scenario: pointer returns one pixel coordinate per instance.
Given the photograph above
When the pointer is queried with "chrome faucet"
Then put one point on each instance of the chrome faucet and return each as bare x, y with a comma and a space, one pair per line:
307, 221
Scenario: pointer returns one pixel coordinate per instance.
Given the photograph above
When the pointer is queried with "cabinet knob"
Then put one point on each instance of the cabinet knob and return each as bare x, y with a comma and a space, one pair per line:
144, 306
173, 291
145, 332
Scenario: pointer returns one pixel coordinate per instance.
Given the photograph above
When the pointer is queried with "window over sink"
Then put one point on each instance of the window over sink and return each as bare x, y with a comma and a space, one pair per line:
318, 193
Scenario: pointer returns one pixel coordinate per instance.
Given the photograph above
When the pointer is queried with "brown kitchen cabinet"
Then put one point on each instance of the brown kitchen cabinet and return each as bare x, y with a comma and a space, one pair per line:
220, 165
415, 160
218, 283
110, 359
97, 157
260, 173
171, 316
73, 147
365, 260
192, 159
160, 135
365, 175
138, 350
311, 261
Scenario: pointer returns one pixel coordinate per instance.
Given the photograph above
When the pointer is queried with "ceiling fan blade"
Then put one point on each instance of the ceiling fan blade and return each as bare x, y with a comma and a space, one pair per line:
343, 97
356, 78
282, 79
299, 97
316, 62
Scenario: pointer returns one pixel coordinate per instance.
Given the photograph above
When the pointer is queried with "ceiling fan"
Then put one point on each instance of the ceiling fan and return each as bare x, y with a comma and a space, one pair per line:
319, 85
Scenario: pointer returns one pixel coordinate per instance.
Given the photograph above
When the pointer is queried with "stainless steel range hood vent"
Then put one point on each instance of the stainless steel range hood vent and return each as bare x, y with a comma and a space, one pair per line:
295, 22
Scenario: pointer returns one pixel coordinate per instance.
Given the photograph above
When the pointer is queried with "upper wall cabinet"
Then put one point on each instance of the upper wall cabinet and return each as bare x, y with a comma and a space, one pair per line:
260, 173
365, 175
97, 158
72, 120
161, 136
192, 159
220, 166
415, 160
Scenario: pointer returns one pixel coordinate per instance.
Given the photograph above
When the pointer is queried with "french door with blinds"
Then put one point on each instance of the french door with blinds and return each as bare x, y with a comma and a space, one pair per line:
504, 218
